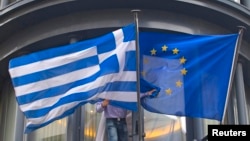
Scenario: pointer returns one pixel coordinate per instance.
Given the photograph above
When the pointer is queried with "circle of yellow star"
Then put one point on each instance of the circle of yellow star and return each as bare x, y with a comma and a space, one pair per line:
153, 52
143, 73
183, 71
164, 48
178, 83
183, 60
168, 91
175, 51
145, 60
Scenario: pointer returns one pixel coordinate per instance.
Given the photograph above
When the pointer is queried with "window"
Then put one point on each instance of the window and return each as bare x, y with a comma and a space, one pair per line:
91, 122
55, 131
8, 108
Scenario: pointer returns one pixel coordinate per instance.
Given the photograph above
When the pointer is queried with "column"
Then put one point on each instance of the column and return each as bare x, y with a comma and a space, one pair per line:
240, 95
245, 3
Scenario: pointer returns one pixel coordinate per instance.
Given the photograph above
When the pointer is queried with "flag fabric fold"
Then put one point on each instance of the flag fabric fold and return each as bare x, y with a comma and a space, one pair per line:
52, 83
192, 71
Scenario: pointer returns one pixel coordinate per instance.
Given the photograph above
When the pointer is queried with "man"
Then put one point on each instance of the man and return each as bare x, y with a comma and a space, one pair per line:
116, 124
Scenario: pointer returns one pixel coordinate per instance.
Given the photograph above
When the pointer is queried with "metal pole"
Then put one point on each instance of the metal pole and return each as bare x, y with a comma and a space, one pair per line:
138, 72
73, 133
236, 54
241, 95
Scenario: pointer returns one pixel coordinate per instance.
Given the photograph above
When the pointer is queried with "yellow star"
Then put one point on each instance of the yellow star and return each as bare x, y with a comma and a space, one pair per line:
153, 52
145, 60
184, 71
178, 83
175, 51
164, 48
183, 60
143, 73
168, 91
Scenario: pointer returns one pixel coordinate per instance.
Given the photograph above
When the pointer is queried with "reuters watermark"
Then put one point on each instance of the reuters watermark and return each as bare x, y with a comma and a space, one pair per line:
228, 131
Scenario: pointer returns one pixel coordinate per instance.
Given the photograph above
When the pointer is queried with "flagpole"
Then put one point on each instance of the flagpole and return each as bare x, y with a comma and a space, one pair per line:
235, 60
139, 125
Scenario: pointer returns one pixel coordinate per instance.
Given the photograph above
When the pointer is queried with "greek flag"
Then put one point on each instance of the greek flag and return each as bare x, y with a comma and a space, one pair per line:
52, 83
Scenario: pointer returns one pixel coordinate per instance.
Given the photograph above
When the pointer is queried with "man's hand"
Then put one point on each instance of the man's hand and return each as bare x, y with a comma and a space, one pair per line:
105, 103
150, 92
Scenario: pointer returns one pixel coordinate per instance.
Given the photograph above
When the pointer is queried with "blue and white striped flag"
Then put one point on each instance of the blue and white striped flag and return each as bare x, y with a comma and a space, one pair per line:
52, 83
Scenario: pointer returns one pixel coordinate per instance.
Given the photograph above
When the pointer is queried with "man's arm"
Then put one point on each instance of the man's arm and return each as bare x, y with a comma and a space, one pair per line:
148, 93
101, 105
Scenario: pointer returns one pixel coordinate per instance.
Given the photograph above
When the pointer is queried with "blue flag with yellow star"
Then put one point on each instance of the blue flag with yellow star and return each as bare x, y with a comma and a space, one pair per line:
192, 71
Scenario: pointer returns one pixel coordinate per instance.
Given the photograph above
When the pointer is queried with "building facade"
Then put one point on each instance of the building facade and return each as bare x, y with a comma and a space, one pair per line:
27, 26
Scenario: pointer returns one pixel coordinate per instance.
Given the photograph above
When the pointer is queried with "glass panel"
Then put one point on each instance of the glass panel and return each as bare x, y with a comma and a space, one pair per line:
11, 1
94, 124
159, 127
209, 122
55, 131
248, 103
238, 1
91, 122
1, 116
8, 109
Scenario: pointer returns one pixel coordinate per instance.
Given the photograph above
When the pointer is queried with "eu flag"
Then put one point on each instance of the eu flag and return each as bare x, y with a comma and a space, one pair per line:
192, 71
